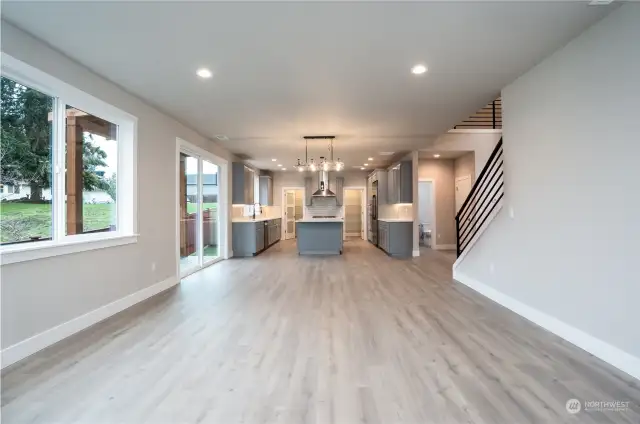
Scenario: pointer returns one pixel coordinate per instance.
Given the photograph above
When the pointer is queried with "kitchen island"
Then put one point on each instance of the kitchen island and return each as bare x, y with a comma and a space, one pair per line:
319, 236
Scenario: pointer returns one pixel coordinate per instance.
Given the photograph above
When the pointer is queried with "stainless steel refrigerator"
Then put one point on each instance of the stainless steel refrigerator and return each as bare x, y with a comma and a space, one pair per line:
373, 213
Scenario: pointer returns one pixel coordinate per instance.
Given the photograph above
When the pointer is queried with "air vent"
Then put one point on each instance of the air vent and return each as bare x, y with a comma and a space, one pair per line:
222, 137
386, 153
600, 2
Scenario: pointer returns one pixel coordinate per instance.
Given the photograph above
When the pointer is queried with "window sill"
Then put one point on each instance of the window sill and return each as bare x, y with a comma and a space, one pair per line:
47, 249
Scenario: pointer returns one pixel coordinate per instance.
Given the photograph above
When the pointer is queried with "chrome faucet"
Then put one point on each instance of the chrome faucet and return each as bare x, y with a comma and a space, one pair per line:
254, 210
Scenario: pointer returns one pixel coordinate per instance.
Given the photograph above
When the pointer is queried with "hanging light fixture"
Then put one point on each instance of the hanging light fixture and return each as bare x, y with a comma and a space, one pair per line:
325, 164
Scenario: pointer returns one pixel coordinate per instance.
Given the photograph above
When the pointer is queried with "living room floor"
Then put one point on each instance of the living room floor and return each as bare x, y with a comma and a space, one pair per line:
281, 338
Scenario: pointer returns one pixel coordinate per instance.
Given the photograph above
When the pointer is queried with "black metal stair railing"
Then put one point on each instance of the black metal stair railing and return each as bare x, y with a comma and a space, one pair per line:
489, 117
485, 195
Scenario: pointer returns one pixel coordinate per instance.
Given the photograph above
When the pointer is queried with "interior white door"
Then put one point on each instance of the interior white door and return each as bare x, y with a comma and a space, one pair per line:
290, 214
463, 187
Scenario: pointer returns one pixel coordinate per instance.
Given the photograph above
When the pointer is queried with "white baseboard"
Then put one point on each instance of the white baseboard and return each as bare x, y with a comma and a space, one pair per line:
416, 253
444, 247
618, 358
28, 347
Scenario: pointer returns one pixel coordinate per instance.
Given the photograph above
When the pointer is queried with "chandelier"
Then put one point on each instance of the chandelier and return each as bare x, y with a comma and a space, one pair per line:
325, 163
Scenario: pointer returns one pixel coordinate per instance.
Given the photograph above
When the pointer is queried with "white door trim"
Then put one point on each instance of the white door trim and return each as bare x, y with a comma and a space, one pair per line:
223, 200
434, 234
283, 206
363, 207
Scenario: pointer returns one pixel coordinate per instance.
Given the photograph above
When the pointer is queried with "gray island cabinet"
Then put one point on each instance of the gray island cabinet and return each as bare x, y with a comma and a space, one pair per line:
319, 236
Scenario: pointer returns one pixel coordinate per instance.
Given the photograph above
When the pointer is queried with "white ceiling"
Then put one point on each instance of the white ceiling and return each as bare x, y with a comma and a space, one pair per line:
284, 70
444, 154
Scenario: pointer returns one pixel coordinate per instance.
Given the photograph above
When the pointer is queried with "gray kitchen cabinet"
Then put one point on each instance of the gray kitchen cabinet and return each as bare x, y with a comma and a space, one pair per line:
400, 183
266, 190
308, 190
244, 238
242, 184
259, 234
383, 235
249, 184
237, 189
252, 237
396, 238
405, 182
391, 185
381, 176
339, 191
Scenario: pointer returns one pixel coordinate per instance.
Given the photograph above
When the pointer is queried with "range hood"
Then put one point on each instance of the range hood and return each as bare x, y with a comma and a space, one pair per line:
323, 186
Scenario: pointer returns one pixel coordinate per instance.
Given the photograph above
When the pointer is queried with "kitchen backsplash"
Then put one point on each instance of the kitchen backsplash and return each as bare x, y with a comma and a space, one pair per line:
245, 211
398, 211
323, 206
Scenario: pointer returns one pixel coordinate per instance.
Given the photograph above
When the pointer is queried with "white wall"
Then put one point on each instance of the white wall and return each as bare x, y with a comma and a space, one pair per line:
39, 295
571, 146
480, 142
441, 171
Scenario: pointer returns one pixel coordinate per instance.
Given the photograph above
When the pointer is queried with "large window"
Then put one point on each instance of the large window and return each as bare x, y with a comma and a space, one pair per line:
67, 166
25, 161
91, 157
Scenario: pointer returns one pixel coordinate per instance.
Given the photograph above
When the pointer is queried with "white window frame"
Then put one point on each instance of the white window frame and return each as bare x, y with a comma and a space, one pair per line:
126, 185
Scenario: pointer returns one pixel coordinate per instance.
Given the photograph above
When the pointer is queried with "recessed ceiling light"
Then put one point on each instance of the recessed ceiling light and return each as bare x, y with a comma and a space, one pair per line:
362, 167
436, 155
204, 73
279, 164
419, 69
370, 159
273, 160
284, 169
365, 164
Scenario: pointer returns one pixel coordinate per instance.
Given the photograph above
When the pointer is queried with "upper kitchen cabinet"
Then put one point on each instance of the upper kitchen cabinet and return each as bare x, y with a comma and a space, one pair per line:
381, 176
242, 184
400, 183
266, 190
339, 190
308, 190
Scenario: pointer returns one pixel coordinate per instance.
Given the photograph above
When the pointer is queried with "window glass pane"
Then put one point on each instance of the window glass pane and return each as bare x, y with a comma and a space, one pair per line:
209, 210
91, 157
188, 212
25, 160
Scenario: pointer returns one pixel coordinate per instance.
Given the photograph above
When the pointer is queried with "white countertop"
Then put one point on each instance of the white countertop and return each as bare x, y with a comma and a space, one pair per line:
321, 220
395, 219
247, 219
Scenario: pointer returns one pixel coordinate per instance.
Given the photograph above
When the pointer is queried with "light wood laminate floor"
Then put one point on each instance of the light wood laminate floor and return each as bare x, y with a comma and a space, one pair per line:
357, 338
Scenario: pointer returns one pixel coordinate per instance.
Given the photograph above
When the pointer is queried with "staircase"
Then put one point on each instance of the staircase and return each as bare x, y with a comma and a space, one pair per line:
489, 117
482, 203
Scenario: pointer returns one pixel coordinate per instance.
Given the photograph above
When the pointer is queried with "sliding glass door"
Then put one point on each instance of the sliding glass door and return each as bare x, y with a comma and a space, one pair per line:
210, 221
199, 223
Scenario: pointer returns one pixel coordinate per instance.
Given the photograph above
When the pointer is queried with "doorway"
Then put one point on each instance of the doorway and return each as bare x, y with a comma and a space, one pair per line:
200, 192
426, 212
293, 203
353, 213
